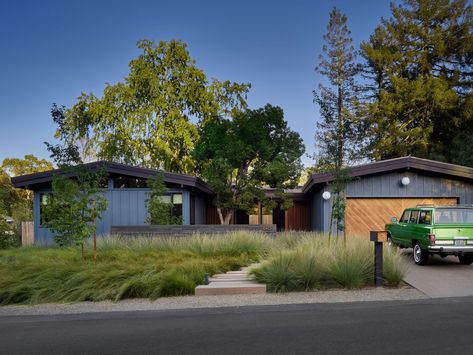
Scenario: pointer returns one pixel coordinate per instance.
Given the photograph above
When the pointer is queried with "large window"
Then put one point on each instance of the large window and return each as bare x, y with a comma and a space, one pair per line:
177, 205
425, 217
414, 217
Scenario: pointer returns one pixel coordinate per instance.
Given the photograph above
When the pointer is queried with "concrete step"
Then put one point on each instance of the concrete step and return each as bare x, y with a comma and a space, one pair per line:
230, 288
231, 283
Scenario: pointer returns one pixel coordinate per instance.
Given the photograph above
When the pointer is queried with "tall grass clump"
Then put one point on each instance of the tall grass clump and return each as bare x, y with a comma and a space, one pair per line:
310, 262
125, 268
394, 266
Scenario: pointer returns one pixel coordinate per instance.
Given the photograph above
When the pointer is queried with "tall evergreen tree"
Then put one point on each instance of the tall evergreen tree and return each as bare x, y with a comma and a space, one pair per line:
421, 66
337, 137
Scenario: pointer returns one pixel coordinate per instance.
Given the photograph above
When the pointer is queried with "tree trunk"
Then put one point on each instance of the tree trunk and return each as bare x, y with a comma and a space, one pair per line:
227, 218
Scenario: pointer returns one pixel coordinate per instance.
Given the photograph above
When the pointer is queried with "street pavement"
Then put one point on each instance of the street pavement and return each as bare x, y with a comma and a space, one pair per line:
441, 277
432, 326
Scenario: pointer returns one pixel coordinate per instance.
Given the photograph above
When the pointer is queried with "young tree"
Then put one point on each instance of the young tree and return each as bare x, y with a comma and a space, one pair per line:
77, 200
150, 118
338, 139
238, 156
159, 206
420, 62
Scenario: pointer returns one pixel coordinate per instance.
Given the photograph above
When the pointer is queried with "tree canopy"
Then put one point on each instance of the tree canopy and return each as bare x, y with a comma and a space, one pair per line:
237, 156
420, 65
151, 118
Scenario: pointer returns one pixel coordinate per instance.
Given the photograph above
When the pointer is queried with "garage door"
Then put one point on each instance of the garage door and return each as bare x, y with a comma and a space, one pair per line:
367, 214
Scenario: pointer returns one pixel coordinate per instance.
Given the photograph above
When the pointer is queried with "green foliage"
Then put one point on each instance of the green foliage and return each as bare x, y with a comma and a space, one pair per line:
74, 205
8, 238
160, 210
338, 136
420, 92
18, 203
310, 262
136, 268
240, 155
147, 119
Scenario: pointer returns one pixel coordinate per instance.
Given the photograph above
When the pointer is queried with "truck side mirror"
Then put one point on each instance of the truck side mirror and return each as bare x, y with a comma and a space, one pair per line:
394, 219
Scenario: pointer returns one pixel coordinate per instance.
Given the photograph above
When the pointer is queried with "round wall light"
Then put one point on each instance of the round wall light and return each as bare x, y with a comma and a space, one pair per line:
326, 195
405, 181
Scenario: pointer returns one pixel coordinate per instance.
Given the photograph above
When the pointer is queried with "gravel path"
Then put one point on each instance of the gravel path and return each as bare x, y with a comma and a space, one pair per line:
330, 296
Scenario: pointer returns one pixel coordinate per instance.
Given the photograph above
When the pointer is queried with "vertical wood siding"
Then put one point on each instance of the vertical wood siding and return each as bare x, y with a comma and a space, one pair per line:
298, 217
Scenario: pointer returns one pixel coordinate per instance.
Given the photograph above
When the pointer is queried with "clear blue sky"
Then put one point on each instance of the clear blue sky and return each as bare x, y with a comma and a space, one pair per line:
54, 50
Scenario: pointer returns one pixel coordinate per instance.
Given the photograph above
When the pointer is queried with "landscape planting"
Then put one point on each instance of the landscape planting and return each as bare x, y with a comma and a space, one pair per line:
160, 267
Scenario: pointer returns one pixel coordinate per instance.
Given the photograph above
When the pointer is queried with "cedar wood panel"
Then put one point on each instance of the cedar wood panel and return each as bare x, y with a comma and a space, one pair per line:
370, 214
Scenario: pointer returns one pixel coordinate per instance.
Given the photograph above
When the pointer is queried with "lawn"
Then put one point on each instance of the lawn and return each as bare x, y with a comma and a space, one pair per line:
153, 268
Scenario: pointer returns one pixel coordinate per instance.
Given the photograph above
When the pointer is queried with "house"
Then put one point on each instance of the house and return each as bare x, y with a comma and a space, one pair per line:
126, 194
381, 190
376, 192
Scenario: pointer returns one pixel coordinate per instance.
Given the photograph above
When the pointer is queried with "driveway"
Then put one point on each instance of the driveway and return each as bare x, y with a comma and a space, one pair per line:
442, 277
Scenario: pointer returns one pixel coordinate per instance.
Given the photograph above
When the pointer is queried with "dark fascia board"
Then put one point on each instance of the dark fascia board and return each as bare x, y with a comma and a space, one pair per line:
414, 163
296, 195
30, 180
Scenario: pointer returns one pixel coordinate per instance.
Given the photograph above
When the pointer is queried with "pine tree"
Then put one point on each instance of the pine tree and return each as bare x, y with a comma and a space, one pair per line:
420, 65
337, 137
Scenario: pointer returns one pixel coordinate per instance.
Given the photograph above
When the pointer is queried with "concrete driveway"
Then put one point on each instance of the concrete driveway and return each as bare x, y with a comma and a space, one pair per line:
441, 277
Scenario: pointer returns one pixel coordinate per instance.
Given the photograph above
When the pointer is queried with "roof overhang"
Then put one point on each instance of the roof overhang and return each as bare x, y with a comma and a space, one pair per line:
39, 180
399, 164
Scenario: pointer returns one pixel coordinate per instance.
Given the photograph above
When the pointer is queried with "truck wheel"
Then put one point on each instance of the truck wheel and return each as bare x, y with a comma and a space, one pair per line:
465, 259
420, 256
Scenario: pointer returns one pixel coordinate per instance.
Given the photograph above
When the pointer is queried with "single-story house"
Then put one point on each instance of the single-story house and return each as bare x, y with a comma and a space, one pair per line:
376, 192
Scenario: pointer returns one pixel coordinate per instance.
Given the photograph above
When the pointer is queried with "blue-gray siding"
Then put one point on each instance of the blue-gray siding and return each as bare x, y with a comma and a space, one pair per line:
388, 186
125, 207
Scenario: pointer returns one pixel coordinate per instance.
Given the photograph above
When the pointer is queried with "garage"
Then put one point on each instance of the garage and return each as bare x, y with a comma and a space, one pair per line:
368, 214
378, 191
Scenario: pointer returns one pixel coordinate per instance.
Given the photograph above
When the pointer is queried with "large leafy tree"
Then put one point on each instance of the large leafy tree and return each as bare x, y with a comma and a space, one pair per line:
337, 136
18, 203
421, 64
151, 118
240, 155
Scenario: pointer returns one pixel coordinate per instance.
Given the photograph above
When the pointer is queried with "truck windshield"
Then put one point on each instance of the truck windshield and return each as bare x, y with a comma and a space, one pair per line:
454, 215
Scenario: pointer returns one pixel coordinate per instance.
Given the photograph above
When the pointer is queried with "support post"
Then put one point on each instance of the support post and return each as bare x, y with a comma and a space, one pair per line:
378, 237
260, 210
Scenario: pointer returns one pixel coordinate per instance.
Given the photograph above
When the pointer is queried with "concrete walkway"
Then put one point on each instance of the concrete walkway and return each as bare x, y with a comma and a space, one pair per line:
231, 283
442, 277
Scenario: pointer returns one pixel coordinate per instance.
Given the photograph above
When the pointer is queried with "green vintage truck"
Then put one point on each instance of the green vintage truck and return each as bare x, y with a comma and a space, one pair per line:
442, 230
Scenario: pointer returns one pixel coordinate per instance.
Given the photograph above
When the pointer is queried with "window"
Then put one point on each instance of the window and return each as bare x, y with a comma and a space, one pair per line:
176, 211
454, 215
425, 217
43, 202
414, 217
405, 217
128, 182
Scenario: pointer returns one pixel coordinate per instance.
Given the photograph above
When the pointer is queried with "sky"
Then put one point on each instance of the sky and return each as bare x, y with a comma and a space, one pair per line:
51, 51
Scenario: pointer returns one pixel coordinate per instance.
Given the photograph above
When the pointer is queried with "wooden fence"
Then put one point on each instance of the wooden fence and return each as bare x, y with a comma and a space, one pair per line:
27, 233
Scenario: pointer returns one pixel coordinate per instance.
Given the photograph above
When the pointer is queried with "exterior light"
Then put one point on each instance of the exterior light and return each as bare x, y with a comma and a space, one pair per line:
326, 195
405, 181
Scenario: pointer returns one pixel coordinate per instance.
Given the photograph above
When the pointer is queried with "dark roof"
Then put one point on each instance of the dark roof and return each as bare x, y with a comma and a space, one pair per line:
38, 180
397, 164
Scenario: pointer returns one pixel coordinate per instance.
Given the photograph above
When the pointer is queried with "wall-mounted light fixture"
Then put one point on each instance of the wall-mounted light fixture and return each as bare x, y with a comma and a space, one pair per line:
326, 195
405, 181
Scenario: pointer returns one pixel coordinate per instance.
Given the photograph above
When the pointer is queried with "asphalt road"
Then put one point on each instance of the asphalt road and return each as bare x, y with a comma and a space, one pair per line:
441, 277
425, 326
